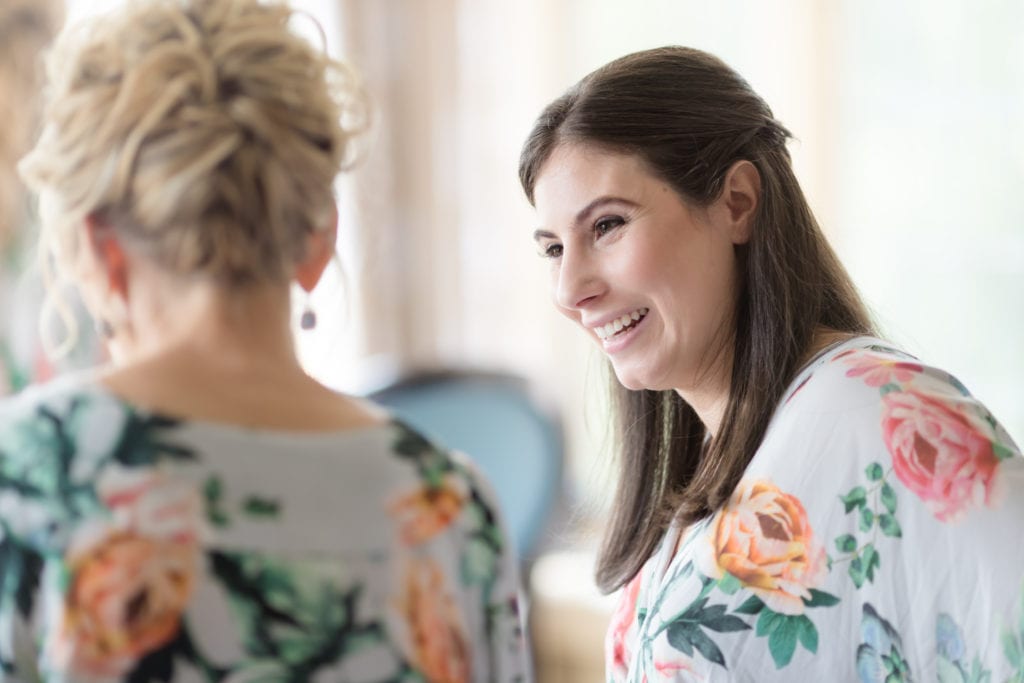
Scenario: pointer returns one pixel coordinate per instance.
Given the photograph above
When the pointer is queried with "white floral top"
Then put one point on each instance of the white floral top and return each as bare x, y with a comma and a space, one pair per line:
876, 536
137, 547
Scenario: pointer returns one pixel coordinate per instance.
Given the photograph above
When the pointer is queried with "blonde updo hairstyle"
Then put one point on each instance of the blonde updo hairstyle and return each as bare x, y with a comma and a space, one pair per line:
206, 133
26, 27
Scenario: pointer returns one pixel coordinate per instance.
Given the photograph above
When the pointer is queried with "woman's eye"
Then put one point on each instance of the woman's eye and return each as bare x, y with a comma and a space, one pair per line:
552, 251
605, 225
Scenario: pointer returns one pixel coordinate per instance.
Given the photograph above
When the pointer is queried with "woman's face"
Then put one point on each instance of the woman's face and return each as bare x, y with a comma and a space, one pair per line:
649, 277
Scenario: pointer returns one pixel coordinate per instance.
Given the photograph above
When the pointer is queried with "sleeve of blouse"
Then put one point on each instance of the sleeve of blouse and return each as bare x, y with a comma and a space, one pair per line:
958, 479
21, 564
507, 653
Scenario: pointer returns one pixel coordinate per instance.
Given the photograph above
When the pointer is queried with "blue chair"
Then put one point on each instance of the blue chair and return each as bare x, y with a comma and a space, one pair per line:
492, 418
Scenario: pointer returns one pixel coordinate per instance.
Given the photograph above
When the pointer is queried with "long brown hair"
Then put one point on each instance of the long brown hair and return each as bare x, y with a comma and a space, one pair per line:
690, 117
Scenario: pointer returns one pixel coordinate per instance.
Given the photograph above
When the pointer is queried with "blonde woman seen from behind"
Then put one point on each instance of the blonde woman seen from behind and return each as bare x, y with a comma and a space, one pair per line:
202, 509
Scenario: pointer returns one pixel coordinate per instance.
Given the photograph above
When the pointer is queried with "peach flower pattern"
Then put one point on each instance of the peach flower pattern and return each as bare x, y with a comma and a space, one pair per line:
763, 538
130, 578
125, 599
428, 511
439, 644
944, 455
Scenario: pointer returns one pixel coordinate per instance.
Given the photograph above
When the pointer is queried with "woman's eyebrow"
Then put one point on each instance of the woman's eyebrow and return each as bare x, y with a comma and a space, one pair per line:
601, 201
586, 211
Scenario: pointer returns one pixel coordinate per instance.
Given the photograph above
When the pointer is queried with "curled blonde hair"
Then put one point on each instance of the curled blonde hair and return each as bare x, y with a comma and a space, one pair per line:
207, 133
26, 26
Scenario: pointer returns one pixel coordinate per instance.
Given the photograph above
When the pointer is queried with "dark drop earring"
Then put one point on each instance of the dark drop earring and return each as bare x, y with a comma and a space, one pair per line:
308, 319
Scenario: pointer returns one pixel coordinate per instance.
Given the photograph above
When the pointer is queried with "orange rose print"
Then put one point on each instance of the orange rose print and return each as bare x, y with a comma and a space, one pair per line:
130, 579
427, 511
440, 650
763, 538
125, 598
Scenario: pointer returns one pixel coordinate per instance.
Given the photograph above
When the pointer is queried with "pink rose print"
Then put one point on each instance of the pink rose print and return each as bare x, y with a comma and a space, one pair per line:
877, 370
943, 454
618, 630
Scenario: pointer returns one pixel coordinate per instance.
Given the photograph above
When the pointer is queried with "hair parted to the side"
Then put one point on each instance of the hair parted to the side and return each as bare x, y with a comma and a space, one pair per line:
26, 27
206, 133
690, 117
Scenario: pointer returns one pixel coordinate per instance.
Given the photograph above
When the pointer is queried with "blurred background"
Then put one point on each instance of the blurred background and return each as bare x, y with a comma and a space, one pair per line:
909, 119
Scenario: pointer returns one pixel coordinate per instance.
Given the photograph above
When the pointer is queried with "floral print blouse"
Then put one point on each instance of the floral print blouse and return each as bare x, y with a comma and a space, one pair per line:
876, 536
137, 547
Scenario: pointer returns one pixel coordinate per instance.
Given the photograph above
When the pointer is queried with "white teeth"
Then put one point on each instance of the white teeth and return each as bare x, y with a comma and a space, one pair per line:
619, 324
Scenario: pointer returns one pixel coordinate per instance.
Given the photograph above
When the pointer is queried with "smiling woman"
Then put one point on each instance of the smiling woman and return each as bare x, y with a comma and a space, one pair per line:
639, 250
772, 449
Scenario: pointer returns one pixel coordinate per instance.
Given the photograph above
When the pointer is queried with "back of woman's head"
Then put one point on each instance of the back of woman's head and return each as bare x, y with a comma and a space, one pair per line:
26, 26
206, 133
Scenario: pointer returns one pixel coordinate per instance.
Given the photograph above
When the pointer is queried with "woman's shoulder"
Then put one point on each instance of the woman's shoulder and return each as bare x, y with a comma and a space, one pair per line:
70, 394
866, 373
867, 397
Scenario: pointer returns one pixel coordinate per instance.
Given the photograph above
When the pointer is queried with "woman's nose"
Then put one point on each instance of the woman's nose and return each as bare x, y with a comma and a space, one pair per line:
578, 282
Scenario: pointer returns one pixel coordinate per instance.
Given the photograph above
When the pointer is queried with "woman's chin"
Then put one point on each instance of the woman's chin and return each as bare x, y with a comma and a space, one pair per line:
630, 379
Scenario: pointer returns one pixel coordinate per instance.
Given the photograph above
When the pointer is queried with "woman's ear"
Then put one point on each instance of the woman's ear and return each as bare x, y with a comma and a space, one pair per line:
320, 249
107, 256
737, 204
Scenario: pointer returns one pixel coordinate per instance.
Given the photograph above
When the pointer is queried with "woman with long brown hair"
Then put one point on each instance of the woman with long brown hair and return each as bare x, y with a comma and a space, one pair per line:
795, 495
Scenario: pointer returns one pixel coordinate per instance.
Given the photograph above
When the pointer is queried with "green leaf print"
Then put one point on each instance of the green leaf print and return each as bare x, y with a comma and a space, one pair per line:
257, 506
1012, 648
846, 543
1012, 639
685, 632
144, 441
889, 526
856, 498
687, 636
1002, 452
782, 640
856, 571
767, 622
752, 605
888, 496
295, 612
808, 634
479, 563
821, 599
867, 519
889, 388
876, 512
213, 492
